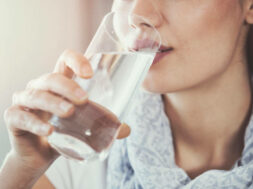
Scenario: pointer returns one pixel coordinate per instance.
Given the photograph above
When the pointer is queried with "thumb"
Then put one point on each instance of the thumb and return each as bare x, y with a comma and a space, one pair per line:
124, 131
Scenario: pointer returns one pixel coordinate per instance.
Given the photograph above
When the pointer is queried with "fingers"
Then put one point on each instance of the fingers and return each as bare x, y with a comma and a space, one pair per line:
61, 85
42, 100
18, 120
70, 63
124, 131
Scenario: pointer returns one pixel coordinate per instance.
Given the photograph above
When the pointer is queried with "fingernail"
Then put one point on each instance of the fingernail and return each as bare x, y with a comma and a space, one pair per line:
124, 131
87, 71
65, 106
80, 94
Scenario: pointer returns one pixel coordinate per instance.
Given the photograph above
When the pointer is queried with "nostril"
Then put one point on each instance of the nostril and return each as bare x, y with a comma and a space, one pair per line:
145, 24
137, 21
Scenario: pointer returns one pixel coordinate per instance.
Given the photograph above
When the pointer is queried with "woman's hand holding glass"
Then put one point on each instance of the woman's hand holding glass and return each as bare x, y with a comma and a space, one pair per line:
50, 115
55, 93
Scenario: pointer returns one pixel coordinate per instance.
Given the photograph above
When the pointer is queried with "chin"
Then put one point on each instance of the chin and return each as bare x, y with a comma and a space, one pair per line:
160, 85
153, 87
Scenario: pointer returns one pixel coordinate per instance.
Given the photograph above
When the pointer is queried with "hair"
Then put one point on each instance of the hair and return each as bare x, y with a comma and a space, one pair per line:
250, 50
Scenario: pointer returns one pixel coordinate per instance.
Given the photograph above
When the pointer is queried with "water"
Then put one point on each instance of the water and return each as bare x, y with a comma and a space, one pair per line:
90, 132
116, 78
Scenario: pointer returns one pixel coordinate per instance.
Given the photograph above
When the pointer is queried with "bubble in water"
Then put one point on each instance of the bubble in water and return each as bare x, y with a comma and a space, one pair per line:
88, 132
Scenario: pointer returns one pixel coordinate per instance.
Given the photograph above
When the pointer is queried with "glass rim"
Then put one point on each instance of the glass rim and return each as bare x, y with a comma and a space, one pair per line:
157, 34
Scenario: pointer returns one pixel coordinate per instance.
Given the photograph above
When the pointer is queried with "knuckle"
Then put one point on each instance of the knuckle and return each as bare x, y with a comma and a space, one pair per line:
81, 59
31, 94
70, 87
10, 115
28, 121
30, 84
15, 97
75, 58
7, 113
47, 78
66, 53
56, 80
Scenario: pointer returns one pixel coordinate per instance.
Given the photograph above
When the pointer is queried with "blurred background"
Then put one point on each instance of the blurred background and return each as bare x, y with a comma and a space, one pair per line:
33, 33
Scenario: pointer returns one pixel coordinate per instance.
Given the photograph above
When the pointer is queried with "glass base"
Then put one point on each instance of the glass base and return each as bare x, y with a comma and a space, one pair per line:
73, 148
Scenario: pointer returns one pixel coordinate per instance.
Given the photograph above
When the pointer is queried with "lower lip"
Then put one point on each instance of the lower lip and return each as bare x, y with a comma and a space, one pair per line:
160, 55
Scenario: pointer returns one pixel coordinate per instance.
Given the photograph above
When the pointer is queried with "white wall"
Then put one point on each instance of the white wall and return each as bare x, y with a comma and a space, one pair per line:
33, 33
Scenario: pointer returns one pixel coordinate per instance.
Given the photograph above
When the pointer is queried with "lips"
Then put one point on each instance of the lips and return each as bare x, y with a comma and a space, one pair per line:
147, 45
163, 51
144, 45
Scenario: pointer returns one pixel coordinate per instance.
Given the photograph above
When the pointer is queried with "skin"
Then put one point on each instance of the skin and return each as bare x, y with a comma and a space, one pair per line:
31, 154
204, 82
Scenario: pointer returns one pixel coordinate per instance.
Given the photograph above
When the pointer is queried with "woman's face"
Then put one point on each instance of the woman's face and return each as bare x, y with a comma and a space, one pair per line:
203, 34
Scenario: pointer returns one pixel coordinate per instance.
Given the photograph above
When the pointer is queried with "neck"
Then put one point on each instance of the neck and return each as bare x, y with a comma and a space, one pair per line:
211, 117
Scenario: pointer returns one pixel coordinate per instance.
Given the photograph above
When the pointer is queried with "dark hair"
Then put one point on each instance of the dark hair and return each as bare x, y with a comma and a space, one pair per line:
250, 50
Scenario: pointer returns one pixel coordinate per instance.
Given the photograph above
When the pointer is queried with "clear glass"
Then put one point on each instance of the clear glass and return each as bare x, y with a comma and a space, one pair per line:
120, 54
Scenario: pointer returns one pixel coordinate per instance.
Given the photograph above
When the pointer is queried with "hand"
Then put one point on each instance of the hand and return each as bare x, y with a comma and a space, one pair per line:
55, 93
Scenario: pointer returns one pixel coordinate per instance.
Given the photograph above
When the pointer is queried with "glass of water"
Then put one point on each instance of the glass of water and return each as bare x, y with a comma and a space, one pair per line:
120, 54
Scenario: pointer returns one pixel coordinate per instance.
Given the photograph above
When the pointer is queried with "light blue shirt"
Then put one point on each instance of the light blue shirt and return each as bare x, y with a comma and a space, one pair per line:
146, 158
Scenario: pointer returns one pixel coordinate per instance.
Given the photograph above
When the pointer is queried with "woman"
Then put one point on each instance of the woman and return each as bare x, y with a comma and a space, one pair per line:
202, 82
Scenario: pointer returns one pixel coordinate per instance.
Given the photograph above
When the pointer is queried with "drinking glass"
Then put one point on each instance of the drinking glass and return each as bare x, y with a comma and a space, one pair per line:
120, 53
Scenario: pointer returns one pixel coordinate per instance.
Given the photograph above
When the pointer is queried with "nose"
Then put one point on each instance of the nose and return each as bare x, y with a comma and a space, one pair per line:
149, 10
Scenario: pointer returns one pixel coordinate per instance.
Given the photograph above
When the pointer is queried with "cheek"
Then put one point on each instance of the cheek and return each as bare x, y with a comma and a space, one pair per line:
204, 37
198, 19
211, 35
